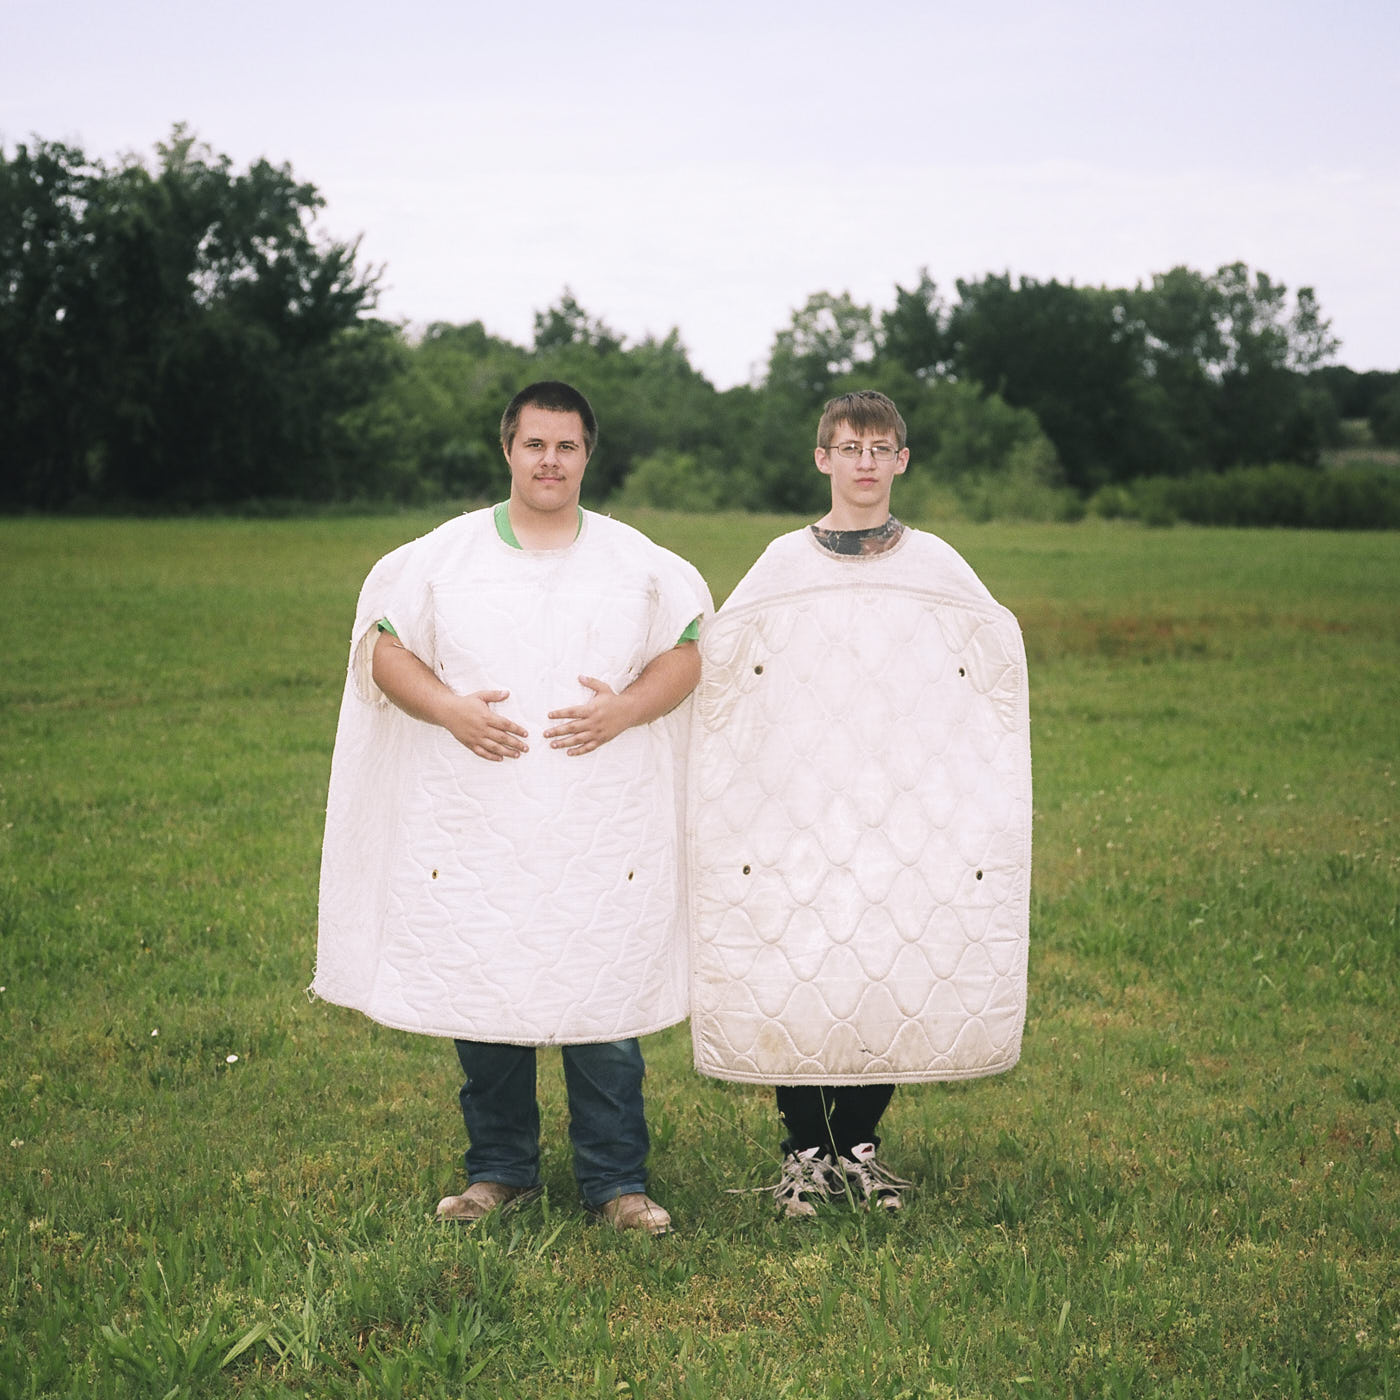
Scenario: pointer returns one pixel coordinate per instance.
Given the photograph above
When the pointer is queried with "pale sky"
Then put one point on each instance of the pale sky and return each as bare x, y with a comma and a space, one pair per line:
710, 166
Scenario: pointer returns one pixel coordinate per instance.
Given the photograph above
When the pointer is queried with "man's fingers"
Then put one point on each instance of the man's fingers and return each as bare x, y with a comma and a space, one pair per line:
496, 753
562, 731
580, 711
499, 725
496, 739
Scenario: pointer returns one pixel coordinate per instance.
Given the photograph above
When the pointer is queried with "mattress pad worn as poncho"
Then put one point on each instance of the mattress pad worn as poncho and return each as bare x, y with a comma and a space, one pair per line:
536, 900
859, 813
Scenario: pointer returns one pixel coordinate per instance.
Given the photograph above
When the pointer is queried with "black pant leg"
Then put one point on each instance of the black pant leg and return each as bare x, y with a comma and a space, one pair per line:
834, 1117
856, 1113
804, 1110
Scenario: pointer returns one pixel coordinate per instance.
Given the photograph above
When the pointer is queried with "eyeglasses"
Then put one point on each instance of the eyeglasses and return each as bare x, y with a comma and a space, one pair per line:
854, 451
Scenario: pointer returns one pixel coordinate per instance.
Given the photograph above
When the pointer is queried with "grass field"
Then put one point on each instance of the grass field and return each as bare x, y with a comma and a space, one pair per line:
1188, 1187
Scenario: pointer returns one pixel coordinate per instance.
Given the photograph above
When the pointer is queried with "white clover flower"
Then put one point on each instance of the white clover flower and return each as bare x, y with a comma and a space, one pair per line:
231, 1060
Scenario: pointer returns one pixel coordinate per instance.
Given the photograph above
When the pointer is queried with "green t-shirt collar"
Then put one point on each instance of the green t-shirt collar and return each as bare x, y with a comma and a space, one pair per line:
507, 532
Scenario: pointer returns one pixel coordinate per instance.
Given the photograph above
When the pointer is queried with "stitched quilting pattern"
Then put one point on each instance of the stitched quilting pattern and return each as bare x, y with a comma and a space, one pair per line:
536, 900
859, 827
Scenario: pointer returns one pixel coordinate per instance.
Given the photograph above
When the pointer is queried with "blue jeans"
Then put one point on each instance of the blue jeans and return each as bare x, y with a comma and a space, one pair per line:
607, 1125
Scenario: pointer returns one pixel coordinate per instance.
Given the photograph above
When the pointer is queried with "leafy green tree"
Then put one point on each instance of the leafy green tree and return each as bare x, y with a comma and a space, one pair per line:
52, 349
1355, 393
1186, 373
1385, 418
1266, 351
1179, 317
220, 343
770, 433
828, 338
830, 342
914, 331
441, 412
1231, 356
956, 430
675, 481
456, 383
1072, 357
648, 397
566, 325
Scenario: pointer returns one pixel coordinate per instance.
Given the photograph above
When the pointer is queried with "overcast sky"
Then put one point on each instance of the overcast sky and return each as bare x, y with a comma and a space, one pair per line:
710, 166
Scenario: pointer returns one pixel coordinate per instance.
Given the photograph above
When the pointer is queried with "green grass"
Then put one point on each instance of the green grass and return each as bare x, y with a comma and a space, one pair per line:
1189, 1187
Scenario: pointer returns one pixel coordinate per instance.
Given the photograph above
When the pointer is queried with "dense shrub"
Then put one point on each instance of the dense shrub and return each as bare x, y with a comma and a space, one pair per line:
1278, 495
1028, 488
675, 481
1385, 419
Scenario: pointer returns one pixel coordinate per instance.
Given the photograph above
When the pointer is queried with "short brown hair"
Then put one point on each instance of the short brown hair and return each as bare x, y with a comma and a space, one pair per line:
554, 396
866, 411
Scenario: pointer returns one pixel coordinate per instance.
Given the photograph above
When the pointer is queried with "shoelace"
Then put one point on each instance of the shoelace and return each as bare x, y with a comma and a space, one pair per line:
807, 1170
803, 1172
873, 1178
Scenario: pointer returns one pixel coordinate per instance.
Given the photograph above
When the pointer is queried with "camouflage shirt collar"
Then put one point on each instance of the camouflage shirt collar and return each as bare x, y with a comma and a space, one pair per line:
876, 540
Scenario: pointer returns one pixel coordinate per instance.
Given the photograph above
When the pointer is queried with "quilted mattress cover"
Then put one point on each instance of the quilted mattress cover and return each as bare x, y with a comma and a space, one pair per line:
534, 901
859, 819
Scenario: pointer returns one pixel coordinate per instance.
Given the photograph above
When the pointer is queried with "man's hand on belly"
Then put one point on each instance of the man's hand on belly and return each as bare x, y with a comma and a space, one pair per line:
665, 681
410, 683
474, 724
589, 726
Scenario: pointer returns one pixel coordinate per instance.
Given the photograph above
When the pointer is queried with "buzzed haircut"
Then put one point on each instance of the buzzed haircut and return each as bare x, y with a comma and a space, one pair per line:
866, 411
554, 396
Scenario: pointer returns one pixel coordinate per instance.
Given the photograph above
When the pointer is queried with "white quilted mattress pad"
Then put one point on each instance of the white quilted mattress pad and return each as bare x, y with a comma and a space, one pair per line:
535, 901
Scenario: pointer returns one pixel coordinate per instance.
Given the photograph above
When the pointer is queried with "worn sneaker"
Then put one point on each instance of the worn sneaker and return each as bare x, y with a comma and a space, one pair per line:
806, 1181
482, 1197
868, 1182
635, 1211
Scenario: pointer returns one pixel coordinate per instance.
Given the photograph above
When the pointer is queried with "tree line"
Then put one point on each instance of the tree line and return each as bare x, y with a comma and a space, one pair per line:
175, 334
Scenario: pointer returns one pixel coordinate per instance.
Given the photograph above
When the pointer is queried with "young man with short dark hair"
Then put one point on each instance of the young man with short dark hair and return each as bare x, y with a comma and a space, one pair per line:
501, 858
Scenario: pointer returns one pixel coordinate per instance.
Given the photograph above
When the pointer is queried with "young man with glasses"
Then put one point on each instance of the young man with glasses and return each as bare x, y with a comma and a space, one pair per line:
502, 889
859, 815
